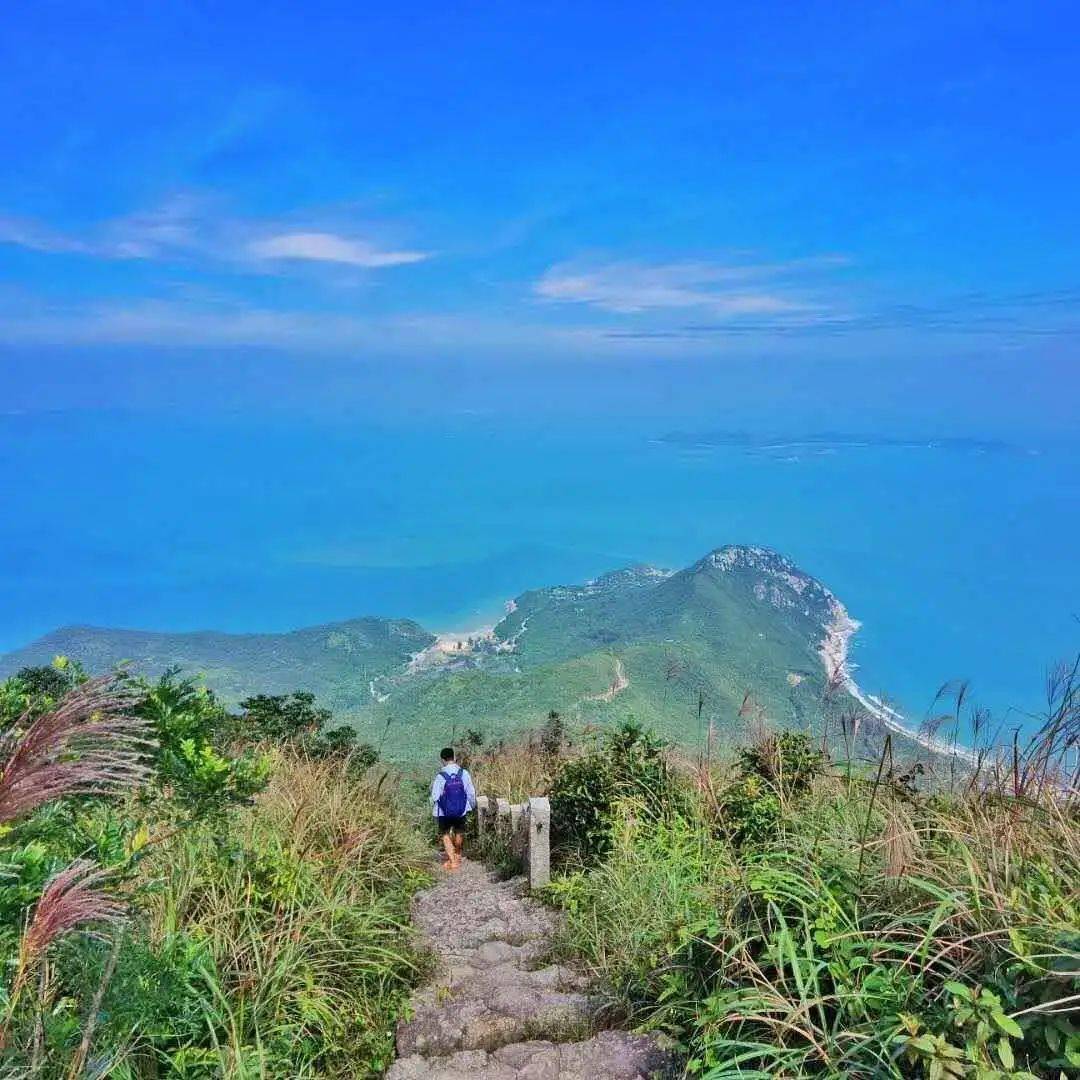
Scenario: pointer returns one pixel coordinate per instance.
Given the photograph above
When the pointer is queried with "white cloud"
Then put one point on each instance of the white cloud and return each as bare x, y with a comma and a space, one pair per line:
187, 228
328, 247
730, 290
169, 229
35, 237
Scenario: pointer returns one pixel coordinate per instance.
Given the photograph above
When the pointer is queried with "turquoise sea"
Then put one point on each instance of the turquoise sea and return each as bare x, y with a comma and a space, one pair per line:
958, 558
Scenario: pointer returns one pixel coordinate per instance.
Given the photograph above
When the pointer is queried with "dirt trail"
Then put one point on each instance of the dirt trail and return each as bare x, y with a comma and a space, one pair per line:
498, 1010
618, 684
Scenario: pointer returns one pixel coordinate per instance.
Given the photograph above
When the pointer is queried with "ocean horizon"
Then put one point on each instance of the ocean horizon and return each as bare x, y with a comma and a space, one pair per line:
954, 554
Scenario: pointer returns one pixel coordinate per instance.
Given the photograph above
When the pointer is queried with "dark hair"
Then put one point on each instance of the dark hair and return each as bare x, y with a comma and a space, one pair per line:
447, 753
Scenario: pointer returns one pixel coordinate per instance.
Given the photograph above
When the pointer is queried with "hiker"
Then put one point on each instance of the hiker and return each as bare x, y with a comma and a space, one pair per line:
452, 797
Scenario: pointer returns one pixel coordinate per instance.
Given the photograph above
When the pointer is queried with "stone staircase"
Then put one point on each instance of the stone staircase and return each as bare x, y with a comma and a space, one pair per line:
497, 1010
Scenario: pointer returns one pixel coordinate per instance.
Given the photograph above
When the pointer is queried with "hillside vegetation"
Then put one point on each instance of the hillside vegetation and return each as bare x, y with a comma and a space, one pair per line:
336, 661
681, 652
689, 647
783, 913
187, 893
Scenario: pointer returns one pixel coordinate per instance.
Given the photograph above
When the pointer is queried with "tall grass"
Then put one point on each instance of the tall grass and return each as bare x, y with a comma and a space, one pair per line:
301, 912
176, 904
518, 768
88, 743
852, 925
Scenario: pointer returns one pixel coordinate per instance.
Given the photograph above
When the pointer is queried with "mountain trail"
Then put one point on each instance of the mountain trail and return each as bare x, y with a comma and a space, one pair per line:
497, 1009
618, 684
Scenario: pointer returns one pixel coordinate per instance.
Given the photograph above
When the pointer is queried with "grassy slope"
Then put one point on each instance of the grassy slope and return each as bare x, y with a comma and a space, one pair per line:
335, 661
725, 627
848, 934
741, 620
302, 908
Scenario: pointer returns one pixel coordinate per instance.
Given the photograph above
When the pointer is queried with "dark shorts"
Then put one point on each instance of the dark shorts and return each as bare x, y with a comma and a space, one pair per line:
451, 824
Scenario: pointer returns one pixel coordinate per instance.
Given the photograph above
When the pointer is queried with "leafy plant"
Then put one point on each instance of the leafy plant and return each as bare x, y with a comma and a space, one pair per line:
628, 763
281, 716
195, 768
296, 718
773, 770
835, 928
243, 913
751, 811
788, 760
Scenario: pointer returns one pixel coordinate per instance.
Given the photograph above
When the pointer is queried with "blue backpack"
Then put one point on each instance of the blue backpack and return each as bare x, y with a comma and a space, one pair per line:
453, 802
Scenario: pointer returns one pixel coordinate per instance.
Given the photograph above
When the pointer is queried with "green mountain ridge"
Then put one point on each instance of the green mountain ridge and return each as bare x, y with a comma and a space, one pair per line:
335, 660
678, 650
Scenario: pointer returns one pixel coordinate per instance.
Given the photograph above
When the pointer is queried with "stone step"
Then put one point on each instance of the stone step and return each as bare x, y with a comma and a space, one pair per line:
496, 1016
467, 909
460, 981
499, 953
609, 1055
498, 1009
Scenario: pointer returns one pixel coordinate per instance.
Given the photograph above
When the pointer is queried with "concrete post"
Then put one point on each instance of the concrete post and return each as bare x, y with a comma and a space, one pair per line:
515, 817
483, 810
539, 843
502, 812
519, 825
527, 826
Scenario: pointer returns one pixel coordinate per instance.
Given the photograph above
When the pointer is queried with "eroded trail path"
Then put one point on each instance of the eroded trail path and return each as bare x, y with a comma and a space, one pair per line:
497, 1010
619, 683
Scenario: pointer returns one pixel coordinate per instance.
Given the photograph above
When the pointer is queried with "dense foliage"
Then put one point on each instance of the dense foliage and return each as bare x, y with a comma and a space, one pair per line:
189, 892
795, 918
337, 660
626, 764
185, 903
295, 718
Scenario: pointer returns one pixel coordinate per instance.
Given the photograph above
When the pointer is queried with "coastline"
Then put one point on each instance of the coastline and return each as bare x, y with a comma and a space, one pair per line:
834, 650
835, 658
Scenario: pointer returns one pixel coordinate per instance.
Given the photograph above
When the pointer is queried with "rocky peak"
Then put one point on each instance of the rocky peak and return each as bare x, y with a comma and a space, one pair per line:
772, 577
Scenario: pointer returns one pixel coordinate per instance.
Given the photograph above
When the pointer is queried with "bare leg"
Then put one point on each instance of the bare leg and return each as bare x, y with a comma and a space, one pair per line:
451, 854
459, 844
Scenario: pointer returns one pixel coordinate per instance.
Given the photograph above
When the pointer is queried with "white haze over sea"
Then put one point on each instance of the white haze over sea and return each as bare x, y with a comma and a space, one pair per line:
957, 558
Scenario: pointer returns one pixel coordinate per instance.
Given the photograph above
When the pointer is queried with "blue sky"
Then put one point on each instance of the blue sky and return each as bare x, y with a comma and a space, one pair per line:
785, 193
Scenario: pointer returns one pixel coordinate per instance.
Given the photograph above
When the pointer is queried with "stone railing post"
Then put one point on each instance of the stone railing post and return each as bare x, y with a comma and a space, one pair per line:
526, 825
483, 815
538, 850
502, 815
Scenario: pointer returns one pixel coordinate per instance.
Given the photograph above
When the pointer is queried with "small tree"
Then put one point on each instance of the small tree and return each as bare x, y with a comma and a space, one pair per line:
629, 763
282, 716
553, 734
297, 719
194, 765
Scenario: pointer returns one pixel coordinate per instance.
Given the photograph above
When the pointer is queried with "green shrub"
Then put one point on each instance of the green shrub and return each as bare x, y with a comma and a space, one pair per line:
195, 768
304, 908
775, 769
641, 917
297, 719
787, 760
628, 763
49, 681
751, 811
33, 690
254, 921
839, 929
281, 716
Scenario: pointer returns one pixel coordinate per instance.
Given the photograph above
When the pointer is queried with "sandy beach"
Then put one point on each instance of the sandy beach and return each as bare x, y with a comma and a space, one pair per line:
835, 657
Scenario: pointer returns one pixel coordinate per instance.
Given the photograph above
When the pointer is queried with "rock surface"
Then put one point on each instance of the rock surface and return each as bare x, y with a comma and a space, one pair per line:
497, 1010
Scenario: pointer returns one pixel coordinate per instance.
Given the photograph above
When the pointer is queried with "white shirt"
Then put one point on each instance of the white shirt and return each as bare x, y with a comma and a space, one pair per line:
439, 783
